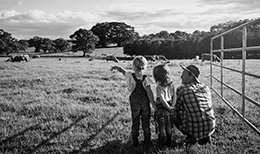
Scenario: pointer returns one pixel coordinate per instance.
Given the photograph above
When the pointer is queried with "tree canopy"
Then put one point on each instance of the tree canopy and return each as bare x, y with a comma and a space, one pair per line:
84, 40
179, 45
61, 45
8, 44
41, 44
176, 45
114, 32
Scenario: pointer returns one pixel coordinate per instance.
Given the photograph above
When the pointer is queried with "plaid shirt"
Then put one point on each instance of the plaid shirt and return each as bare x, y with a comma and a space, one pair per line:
195, 106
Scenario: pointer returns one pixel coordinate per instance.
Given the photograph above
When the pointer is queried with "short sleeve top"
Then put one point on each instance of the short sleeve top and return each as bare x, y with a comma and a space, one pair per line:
165, 92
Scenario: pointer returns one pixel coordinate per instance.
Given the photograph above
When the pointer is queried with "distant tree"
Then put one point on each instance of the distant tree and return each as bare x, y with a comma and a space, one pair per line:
162, 34
114, 32
41, 44
24, 44
8, 44
61, 45
47, 45
179, 35
84, 40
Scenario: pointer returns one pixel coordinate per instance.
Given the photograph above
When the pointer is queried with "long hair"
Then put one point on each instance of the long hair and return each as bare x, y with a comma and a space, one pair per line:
161, 74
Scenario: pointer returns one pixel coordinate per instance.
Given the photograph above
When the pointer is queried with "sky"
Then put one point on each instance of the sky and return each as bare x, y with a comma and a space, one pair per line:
54, 19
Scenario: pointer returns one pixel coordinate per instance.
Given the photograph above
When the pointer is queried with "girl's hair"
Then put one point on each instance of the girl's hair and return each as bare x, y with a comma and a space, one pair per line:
140, 62
161, 74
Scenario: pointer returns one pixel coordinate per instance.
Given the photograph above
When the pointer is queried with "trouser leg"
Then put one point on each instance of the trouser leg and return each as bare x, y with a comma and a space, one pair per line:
162, 131
135, 124
146, 113
168, 131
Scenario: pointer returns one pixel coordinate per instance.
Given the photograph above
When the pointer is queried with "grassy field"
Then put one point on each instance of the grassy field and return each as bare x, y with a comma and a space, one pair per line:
74, 105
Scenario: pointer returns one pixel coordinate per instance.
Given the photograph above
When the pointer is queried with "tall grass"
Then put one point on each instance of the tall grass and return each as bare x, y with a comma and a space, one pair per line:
74, 105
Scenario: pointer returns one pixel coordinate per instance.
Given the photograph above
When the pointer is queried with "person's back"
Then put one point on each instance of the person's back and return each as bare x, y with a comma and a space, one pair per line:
165, 99
140, 108
140, 97
194, 104
196, 109
139, 88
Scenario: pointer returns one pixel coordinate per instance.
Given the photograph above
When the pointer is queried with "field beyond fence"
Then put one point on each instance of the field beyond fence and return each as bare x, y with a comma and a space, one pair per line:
73, 105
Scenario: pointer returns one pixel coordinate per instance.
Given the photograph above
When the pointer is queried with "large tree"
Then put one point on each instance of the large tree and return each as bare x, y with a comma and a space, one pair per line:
114, 32
41, 44
8, 44
61, 45
84, 40
24, 44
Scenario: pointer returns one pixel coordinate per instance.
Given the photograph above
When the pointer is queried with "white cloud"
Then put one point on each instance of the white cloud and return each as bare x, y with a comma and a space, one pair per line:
39, 23
20, 3
146, 18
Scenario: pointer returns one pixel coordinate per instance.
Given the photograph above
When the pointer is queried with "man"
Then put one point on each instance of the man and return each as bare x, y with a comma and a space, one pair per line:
194, 108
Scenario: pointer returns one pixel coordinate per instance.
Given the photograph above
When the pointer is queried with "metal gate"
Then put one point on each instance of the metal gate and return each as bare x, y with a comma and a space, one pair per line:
243, 72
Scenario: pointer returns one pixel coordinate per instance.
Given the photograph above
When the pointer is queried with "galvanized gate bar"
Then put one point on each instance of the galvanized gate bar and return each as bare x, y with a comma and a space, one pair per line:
246, 73
244, 50
255, 48
238, 92
238, 113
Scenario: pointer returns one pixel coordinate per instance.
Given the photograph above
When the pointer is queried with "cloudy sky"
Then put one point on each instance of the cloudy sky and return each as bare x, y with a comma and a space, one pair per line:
53, 19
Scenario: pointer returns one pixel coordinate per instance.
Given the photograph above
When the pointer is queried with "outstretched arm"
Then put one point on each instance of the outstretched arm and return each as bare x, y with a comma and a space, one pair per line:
118, 68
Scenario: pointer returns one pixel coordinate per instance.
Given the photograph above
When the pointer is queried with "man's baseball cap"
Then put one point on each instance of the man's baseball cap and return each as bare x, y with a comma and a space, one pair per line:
193, 70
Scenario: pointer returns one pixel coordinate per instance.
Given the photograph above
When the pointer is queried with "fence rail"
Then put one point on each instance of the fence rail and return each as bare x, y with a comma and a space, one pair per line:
243, 49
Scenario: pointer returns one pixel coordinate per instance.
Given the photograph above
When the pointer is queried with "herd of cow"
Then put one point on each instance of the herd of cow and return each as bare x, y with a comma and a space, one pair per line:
21, 58
148, 57
204, 56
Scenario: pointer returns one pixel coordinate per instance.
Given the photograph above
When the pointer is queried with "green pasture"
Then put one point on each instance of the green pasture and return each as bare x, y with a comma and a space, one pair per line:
73, 105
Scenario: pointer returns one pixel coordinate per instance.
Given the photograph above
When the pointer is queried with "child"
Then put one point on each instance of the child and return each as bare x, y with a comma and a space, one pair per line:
141, 94
165, 100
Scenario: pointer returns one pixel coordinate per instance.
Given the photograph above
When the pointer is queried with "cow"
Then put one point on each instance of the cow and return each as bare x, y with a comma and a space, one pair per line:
162, 57
149, 57
36, 56
156, 57
18, 58
111, 58
196, 58
206, 56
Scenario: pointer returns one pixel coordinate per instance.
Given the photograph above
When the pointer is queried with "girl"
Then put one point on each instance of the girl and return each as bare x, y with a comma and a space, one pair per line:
139, 85
165, 100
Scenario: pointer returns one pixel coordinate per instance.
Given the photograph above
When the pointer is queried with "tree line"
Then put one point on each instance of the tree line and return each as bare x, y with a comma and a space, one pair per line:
177, 45
182, 45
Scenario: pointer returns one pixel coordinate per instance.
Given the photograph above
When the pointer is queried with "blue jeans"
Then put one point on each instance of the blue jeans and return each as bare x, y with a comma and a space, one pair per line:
140, 110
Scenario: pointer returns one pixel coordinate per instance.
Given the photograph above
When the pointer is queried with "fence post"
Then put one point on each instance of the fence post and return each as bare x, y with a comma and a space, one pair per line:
221, 63
211, 52
243, 69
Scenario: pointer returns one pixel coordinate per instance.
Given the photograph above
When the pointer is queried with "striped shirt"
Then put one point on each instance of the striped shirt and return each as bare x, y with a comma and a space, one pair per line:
195, 105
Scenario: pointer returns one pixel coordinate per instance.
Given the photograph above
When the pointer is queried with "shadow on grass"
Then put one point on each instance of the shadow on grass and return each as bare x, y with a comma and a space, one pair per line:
10, 143
11, 138
86, 142
120, 147
52, 136
13, 143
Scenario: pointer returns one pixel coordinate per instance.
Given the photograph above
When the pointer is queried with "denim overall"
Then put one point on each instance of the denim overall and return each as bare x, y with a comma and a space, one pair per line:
140, 109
